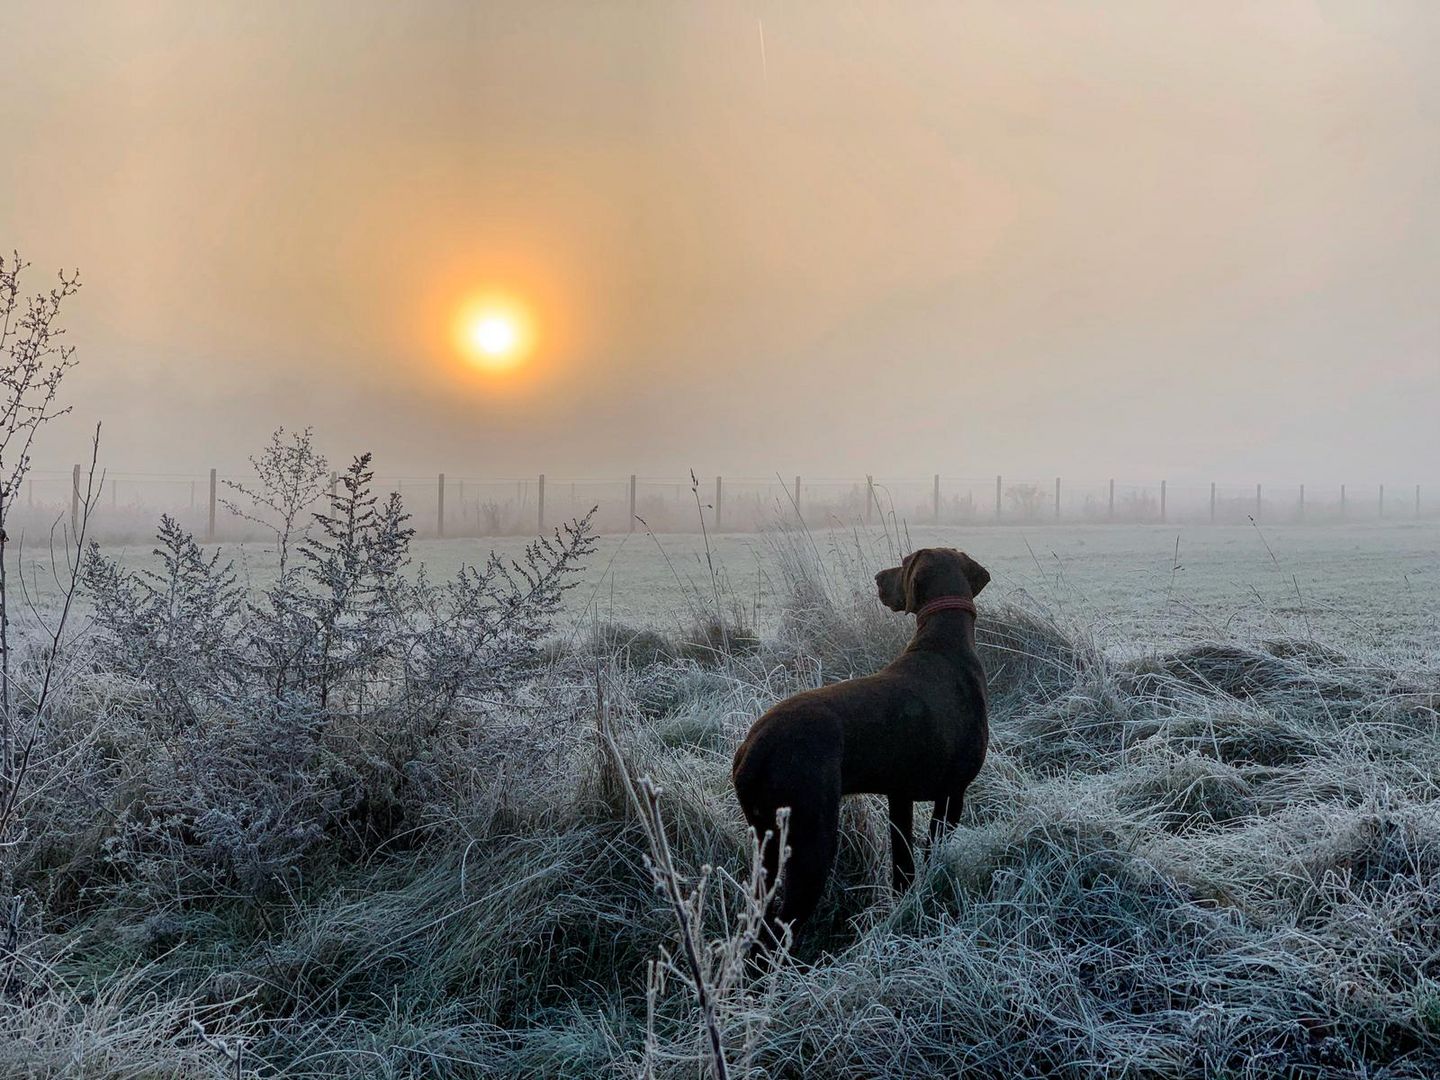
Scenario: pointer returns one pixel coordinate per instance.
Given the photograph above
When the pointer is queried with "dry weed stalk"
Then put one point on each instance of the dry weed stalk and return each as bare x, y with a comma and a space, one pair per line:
714, 971
33, 362
19, 757
232, 1051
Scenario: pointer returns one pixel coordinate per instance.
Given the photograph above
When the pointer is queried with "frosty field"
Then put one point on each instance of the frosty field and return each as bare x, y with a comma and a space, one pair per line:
1206, 841
1134, 588
1131, 586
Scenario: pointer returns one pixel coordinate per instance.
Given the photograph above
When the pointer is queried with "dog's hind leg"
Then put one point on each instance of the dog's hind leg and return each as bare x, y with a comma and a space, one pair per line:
814, 837
902, 842
946, 816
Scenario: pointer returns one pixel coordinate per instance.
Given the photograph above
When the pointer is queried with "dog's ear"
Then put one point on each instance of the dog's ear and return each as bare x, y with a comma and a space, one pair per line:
910, 570
891, 587
976, 574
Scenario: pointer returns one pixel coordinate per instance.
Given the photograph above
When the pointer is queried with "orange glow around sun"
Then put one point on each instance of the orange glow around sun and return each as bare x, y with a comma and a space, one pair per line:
494, 333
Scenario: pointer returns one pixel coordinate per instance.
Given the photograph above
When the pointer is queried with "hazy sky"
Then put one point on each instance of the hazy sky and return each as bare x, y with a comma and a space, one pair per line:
1121, 238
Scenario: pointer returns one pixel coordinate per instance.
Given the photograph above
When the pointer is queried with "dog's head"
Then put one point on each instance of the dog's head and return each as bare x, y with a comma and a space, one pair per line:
928, 574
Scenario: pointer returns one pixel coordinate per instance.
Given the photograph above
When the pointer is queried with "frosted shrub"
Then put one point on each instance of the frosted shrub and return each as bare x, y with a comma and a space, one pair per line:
338, 617
172, 629
311, 711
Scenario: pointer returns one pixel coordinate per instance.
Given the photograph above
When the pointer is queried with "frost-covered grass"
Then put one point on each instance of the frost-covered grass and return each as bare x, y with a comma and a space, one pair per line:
1207, 852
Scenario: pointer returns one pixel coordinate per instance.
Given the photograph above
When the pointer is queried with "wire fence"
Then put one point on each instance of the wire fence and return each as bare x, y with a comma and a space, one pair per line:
128, 504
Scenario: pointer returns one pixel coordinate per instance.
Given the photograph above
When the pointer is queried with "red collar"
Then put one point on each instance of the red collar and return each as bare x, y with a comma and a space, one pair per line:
945, 603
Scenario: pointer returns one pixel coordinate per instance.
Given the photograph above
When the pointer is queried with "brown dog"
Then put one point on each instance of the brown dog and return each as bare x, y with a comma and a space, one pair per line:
917, 729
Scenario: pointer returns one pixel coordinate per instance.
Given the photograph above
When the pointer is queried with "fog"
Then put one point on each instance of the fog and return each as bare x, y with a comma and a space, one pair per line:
1124, 239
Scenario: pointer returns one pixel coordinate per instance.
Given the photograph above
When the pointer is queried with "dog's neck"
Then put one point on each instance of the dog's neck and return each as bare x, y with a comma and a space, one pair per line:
946, 622
944, 603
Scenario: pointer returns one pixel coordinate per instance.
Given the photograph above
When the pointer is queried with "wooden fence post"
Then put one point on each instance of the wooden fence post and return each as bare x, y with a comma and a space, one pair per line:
1163, 511
797, 496
869, 499
997, 498
1342, 502
1257, 502
632, 502
719, 502
936, 499
75, 502
1417, 500
1212, 502
210, 528
1382, 502
440, 508
540, 498
1057, 498
1112, 498
1302, 502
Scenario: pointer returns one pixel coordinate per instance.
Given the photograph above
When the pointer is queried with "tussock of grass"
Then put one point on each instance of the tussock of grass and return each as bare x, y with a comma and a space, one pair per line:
629, 647
1238, 734
130, 1026
1185, 792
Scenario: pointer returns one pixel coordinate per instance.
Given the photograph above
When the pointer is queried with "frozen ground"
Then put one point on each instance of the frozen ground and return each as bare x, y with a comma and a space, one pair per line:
1201, 860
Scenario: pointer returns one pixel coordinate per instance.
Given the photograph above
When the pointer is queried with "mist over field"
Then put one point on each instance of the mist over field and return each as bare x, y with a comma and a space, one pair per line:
1129, 239
510, 512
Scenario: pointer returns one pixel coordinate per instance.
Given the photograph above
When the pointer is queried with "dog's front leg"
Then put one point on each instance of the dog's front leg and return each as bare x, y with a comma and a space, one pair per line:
902, 849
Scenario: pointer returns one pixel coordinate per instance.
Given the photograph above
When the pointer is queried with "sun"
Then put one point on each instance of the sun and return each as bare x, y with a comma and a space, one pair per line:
494, 333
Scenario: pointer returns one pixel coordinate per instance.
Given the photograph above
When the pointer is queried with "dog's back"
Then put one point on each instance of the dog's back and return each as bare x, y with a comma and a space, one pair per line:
894, 734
